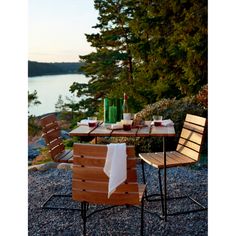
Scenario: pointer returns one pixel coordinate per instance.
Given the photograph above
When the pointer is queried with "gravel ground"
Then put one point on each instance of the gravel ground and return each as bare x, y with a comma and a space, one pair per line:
120, 220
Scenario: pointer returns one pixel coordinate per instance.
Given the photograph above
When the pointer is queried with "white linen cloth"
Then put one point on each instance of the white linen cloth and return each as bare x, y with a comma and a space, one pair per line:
115, 166
116, 126
167, 122
83, 122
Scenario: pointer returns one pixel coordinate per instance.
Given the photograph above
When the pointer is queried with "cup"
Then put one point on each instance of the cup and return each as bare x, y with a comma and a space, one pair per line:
92, 121
127, 116
127, 125
157, 120
157, 117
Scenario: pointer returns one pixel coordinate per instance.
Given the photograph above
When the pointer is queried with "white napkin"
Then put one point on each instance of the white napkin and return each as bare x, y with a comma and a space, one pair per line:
115, 166
116, 126
83, 122
168, 122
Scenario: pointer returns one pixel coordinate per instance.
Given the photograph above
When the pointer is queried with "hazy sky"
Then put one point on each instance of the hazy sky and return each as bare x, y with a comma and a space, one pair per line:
57, 28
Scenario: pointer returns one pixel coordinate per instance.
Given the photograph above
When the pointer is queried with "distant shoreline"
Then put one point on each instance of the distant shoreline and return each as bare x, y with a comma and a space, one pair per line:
56, 68
79, 73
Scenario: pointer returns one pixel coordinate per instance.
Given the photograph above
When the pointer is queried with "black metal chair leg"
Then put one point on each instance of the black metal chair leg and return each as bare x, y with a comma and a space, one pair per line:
144, 179
164, 212
142, 216
156, 194
84, 220
202, 208
143, 172
84, 216
160, 184
45, 204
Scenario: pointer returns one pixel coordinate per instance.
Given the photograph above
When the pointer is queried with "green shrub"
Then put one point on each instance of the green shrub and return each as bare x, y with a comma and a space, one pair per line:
202, 96
175, 110
34, 128
68, 143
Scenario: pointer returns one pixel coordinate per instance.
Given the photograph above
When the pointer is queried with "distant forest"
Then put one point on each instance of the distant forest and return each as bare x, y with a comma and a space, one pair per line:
43, 68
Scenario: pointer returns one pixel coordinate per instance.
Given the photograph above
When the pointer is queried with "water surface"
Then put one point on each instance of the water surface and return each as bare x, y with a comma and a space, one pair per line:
50, 87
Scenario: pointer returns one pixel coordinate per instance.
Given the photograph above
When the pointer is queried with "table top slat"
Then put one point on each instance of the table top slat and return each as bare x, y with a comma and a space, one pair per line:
122, 133
144, 131
162, 131
82, 130
101, 131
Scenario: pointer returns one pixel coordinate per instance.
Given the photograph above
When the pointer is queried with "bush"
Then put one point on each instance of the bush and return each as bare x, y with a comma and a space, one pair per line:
175, 110
202, 96
33, 126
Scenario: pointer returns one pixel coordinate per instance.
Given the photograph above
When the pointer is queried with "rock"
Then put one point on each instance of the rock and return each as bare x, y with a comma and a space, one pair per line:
65, 134
41, 142
34, 148
65, 166
32, 168
32, 153
50, 165
47, 166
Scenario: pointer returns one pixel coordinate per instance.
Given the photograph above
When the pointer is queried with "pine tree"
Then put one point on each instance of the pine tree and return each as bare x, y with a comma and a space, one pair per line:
149, 49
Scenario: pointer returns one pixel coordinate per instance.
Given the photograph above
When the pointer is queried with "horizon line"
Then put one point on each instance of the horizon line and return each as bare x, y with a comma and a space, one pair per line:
55, 61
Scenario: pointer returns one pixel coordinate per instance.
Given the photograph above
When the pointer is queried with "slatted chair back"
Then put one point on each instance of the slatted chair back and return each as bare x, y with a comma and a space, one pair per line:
191, 137
52, 135
89, 182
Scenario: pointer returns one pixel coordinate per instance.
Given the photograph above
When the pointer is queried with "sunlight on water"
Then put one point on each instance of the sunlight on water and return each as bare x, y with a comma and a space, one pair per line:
50, 87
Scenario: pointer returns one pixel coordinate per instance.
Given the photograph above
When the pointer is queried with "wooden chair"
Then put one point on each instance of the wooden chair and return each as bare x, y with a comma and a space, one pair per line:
52, 135
90, 184
187, 153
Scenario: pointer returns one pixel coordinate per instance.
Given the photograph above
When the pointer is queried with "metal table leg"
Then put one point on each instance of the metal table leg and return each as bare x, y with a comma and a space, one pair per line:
165, 190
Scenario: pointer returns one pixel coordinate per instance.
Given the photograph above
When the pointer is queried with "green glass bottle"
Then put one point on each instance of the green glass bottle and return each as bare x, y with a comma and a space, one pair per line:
106, 110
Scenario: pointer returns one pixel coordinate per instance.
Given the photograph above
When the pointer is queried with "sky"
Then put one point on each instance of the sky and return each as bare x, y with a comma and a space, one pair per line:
56, 29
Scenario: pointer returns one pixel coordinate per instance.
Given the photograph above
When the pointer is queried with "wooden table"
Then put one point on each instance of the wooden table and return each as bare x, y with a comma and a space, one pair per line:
102, 131
148, 131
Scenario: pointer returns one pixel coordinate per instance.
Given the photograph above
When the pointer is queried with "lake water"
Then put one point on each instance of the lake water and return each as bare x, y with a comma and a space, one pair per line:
49, 88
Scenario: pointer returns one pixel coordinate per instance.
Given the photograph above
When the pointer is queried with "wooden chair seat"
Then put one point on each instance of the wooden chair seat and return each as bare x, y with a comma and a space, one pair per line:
65, 157
173, 159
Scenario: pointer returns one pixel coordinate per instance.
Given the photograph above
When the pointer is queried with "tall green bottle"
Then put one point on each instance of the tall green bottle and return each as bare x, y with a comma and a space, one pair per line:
106, 110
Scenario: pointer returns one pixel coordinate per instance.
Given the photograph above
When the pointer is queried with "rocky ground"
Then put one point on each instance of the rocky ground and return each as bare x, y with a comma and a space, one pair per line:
118, 221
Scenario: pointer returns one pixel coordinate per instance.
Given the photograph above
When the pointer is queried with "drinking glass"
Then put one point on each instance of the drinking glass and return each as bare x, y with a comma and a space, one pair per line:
92, 121
127, 124
157, 120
